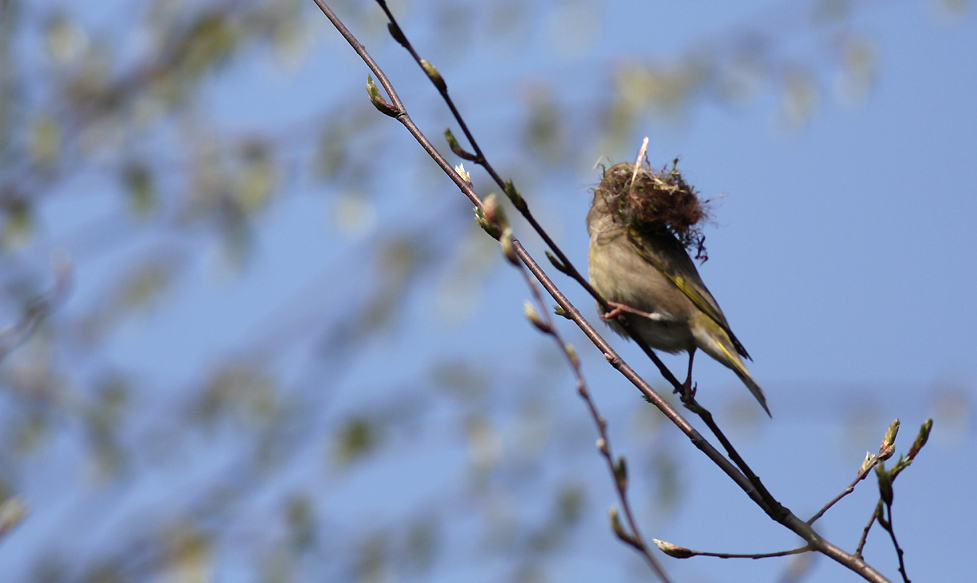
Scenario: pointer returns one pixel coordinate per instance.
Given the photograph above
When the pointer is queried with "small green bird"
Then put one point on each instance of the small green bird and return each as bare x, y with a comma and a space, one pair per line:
642, 268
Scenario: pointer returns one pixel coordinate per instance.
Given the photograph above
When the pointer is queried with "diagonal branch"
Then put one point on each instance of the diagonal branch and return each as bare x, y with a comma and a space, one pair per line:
515, 251
39, 308
786, 518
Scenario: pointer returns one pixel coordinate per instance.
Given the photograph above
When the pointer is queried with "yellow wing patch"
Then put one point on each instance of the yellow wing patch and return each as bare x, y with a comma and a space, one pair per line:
687, 288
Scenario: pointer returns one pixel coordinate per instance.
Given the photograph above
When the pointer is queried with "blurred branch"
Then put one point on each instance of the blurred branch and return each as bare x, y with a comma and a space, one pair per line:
39, 308
12, 512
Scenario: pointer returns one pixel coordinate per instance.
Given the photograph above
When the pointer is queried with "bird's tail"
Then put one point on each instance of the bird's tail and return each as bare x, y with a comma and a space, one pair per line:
747, 379
714, 341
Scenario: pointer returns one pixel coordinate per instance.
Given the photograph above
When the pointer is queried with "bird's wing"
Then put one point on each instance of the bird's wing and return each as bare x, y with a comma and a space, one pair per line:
689, 283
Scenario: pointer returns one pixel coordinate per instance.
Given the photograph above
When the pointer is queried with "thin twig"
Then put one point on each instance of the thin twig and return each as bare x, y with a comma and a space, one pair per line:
402, 117
836, 499
871, 460
868, 527
862, 473
770, 505
634, 538
789, 520
480, 158
855, 563
887, 525
686, 553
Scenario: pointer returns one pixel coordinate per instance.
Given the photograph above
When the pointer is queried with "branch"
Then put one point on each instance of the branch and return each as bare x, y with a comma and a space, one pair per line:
396, 110
37, 309
684, 553
886, 478
868, 527
515, 253
885, 452
562, 262
886, 523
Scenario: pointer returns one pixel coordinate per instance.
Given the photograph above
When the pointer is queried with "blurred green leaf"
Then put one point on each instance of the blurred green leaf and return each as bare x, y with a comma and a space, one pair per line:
859, 69
241, 391
544, 133
190, 557
358, 437
45, 140
571, 503
104, 417
105, 572
422, 544
800, 98
145, 285
206, 44
31, 432
300, 517
64, 39
373, 559
256, 179
332, 150
141, 188
460, 378
18, 223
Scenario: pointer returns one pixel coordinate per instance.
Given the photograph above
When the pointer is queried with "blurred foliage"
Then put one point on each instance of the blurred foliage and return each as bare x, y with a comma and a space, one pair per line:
12, 511
357, 438
128, 139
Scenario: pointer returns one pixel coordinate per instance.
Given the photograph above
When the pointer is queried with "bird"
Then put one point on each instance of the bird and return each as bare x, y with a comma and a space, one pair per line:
646, 275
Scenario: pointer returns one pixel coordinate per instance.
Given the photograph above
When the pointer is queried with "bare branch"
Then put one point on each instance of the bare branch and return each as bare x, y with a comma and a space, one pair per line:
750, 485
684, 553
885, 451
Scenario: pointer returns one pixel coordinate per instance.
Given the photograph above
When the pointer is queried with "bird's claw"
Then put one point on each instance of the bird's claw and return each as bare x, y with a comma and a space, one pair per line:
617, 309
686, 391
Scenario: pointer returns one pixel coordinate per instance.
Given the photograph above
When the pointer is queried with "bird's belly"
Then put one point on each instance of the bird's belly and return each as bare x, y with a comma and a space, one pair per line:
665, 335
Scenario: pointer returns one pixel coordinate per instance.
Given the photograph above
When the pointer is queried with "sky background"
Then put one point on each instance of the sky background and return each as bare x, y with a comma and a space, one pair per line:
843, 254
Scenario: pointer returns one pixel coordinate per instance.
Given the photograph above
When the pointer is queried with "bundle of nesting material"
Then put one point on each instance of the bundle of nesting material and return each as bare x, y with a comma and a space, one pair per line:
658, 203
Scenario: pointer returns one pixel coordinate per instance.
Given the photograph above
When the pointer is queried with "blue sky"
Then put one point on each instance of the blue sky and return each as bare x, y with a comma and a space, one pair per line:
843, 255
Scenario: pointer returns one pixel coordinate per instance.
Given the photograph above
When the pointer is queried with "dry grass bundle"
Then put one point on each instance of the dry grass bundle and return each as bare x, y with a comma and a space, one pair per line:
658, 203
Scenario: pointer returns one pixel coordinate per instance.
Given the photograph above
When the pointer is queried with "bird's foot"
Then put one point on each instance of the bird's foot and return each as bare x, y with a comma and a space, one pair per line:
686, 391
617, 309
